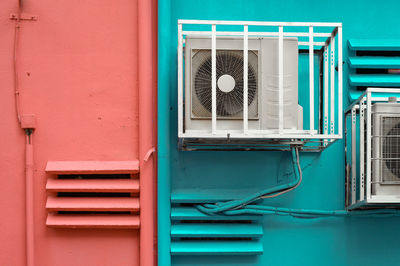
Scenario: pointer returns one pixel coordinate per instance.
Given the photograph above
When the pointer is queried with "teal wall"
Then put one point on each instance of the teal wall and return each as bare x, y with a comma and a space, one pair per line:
287, 241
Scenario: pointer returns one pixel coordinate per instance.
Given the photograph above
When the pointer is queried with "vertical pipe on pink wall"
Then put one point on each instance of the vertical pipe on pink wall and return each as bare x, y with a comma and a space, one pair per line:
29, 226
29, 200
145, 76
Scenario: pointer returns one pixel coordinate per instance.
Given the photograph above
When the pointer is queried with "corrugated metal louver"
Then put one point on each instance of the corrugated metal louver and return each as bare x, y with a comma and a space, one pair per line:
195, 233
374, 63
92, 194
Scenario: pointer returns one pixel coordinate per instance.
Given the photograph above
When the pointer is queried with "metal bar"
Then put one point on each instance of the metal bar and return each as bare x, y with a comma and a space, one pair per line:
353, 156
326, 84
372, 89
245, 79
213, 80
255, 33
320, 91
311, 70
386, 159
346, 163
387, 199
382, 99
259, 23
362, 162
256, 134
377, 89
180, 80
332, 88
280, 77
340, 81
368, 148
255, 131
320, 34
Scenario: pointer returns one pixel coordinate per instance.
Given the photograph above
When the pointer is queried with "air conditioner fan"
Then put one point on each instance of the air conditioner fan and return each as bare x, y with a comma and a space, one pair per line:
229, 74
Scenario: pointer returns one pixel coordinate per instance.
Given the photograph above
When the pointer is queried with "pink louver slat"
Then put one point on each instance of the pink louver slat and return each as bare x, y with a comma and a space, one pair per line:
92, 167
93, 185
93, 221
92, 204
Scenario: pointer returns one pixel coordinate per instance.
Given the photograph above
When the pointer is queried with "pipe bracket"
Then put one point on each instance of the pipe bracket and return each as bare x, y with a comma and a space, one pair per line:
27, 17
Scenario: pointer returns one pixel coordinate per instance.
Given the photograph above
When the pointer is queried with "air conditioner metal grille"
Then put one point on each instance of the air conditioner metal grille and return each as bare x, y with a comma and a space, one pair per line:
390, 151
229, 103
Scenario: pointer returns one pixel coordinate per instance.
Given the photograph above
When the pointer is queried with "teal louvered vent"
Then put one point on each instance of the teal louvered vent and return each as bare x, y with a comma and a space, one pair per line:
374, 63
195, 233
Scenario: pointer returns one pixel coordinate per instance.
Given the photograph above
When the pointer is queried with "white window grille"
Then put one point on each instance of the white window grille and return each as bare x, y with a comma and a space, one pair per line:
322, 39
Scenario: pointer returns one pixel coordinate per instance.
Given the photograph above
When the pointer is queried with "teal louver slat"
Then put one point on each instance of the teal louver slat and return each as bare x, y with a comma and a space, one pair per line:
375, 44
374, 62
387, 80
216, 230
191, 213
222, 247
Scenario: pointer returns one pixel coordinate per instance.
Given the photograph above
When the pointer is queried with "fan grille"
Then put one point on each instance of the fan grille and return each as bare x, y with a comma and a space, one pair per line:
229, 104
390, 149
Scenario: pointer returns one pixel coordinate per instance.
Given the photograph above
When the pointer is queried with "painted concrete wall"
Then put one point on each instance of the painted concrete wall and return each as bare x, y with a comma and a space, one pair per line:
78, 72
287, 241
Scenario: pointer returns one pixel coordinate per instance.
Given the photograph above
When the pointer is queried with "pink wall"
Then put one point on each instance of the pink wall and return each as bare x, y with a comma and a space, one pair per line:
78, 73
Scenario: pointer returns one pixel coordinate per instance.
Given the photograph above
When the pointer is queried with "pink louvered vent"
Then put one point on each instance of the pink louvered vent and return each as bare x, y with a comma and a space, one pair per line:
92, 194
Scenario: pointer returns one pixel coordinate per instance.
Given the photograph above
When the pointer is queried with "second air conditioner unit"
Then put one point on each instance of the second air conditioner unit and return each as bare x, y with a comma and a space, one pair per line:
263, 84
386, 149
373, 150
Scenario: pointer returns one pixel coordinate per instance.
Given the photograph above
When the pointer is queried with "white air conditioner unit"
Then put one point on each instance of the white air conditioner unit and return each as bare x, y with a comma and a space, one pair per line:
263, 84
386, 149
222, 105
373, 142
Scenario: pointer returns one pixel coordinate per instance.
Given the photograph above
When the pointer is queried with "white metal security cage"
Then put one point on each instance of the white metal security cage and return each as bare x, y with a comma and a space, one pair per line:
364, 139
314, 39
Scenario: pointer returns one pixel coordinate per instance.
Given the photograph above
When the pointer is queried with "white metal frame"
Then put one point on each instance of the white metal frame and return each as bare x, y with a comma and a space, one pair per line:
331, 124
362, 109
